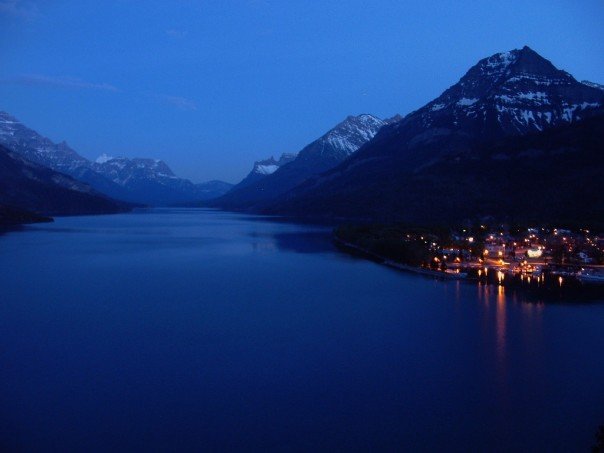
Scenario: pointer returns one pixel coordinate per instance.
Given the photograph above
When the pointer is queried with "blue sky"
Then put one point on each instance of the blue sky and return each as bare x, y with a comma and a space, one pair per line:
211, 86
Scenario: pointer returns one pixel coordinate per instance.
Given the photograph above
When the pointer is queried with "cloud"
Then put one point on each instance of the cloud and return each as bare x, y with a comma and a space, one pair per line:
19, 8
176, 34
73, 83
58, 81
177, 101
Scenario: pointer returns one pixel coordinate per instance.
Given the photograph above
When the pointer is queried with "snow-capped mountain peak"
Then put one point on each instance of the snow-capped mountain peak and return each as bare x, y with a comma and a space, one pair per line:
123, 169
5, 118
271, 179
36, 148
148, 181
499, 63
512, 92
103, 158
270, 165
351, 134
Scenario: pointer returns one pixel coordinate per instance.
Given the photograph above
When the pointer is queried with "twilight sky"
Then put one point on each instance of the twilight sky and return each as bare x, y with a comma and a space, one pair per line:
211, 86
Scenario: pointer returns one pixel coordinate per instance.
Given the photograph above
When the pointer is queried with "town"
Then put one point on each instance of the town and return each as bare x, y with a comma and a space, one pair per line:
486, 252
533, 251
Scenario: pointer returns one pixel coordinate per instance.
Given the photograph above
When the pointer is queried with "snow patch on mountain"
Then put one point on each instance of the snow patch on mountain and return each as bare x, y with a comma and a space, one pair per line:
103, 158
466, 101
266, 169
501, 60
593, 84
519, 91
148, 181
352, 133
270, 165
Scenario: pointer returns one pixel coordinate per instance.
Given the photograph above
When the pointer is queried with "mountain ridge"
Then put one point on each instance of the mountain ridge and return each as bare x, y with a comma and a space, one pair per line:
510, 94
318, 156
138, 180
28, 186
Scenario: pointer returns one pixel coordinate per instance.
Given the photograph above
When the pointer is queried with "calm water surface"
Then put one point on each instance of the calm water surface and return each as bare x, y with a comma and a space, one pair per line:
197, 330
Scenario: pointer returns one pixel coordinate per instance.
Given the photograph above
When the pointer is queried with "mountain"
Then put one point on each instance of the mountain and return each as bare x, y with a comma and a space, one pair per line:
263, 168
57, 156
26, 186
319, 156
544, 177
509, 93
36, 148
503, 97
593, 84
212, 189
148, 181
151, 181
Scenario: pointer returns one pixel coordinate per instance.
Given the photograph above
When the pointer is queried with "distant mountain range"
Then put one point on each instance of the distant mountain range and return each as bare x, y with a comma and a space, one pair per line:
319, 156
515, 139
151, 181
145, 181
27, 188
448, 160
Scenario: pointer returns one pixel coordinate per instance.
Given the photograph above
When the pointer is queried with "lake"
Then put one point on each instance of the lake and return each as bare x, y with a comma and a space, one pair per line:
190, 329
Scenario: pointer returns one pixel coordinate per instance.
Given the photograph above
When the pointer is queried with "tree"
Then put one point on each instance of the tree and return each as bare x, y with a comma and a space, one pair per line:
478, 246
558, 254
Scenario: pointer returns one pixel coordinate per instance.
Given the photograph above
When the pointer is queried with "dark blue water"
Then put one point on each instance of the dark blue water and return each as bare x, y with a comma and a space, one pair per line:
197, 330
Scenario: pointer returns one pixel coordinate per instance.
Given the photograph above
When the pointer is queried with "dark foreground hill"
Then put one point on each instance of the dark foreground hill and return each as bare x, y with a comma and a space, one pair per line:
552, 176
10, 216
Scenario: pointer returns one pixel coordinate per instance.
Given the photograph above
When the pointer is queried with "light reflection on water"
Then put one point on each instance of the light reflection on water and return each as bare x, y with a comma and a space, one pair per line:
230, 333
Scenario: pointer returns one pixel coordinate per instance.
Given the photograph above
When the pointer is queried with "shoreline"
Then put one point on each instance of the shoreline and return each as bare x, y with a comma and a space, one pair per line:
550, 289
400, 266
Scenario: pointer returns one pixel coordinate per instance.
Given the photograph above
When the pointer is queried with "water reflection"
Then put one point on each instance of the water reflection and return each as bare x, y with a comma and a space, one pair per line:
503, 310
182, 330
501, 323
539, 287
296, 241
501, 338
